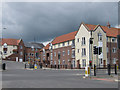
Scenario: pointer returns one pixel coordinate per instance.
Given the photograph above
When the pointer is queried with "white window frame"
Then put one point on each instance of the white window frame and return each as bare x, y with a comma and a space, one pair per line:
84, 62
114, 50
63, 53
68, 52
83, 41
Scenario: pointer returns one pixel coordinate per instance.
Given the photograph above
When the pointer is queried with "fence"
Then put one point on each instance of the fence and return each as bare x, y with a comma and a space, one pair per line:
105, 70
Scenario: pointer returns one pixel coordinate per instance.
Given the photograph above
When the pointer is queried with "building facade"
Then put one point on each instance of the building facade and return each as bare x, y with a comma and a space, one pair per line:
12, 49
73, 50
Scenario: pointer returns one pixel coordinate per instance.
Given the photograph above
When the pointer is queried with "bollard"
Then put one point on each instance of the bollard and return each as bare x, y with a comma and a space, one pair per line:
115, 69
109, 71
25, 65
55, 66
71, 66
58, 67
87, 71
79, 66
3, 66
94, 70
41, 65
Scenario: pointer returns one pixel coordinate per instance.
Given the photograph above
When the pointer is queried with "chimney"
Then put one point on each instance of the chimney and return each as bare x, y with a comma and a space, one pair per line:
108, 25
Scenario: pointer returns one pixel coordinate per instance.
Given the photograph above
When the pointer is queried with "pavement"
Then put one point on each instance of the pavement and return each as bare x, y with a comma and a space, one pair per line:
51, 78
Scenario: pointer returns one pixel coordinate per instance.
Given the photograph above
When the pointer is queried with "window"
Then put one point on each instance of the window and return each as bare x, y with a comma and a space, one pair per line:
63, 62
78, 39
37, 55
107, 50
99, 37
73, 63
58, 44
51, 56
54, 46
83, 40
114, 50
63, 53
59, 62
83, 62
63, 43
113, 39
20, 47
5, 52
68, 43
68, 52
73, 42
78, 50
107, 39
21, 53
55, 62
100, 61
54, 53
58, 55
51, 62
114, 60
68, 60
73, 53
83, 52
32, 54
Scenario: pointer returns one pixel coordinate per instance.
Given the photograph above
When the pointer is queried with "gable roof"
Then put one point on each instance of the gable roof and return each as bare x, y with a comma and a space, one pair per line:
65, 37
10, 41
111, 32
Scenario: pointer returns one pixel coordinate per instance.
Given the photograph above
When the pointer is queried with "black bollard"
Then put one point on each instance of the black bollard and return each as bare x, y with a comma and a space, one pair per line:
25, 65
109, 69
94, 70
71, 66
55, 66
58, 67
3, 66
115, 69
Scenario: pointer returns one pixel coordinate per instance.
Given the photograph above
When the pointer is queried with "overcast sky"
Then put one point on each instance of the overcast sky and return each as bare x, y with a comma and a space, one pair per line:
44, 21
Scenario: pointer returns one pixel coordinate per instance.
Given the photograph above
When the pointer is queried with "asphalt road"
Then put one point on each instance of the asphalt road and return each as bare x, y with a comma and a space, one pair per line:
22, 78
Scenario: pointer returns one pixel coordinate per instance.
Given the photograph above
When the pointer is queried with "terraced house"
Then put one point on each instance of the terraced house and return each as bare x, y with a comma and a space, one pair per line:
73, 50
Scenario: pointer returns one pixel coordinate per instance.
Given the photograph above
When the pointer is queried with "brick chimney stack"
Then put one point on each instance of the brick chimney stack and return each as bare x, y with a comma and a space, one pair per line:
108, 25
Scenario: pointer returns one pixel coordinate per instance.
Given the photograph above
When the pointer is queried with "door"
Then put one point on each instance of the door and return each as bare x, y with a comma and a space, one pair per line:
104, 63
78, 66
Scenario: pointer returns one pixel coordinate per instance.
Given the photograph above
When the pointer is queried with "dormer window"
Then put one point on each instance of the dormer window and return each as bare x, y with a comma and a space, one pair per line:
63, 43
113, 39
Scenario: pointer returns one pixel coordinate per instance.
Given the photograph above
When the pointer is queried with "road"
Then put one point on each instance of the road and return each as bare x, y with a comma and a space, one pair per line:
23, 78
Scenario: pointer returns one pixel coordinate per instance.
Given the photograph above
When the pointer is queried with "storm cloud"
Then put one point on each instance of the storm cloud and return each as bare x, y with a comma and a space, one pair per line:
44, 21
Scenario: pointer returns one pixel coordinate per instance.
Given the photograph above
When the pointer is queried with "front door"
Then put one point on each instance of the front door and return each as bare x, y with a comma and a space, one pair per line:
77, 64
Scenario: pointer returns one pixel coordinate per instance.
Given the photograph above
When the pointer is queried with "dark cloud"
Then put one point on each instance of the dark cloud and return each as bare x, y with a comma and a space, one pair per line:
44, 21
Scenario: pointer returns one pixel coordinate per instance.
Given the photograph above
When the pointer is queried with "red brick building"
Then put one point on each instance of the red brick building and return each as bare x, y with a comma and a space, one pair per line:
66, 51
32, 52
